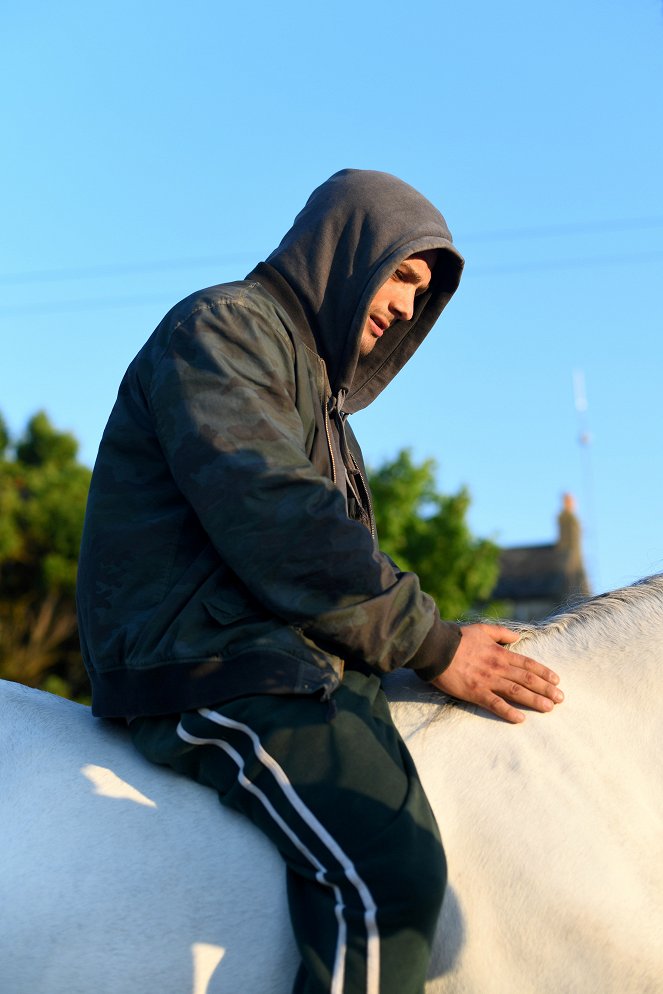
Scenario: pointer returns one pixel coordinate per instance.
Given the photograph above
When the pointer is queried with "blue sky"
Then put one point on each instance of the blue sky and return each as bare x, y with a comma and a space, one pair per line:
153, 148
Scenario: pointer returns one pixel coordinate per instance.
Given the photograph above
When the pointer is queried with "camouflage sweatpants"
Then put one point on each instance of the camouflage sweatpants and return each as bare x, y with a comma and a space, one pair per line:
332, 784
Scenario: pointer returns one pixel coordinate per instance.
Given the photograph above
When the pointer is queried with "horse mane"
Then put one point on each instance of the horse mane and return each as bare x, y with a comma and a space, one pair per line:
615, 616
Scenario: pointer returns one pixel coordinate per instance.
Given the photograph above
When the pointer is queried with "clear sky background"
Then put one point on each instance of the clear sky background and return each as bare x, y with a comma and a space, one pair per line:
151, 148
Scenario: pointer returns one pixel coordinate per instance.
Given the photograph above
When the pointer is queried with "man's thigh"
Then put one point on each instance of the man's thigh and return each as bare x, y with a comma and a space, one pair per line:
342, 759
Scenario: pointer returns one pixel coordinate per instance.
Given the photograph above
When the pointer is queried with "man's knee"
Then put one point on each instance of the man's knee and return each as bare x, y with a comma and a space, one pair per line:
407, 875
419, 877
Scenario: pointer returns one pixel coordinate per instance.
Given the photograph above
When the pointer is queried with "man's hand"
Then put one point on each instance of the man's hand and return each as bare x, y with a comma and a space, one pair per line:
483, 672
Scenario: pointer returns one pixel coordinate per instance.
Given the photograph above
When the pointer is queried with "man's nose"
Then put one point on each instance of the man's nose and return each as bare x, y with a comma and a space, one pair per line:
403, 305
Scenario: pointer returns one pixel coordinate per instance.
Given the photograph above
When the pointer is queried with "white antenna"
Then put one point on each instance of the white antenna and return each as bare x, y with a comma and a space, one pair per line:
585, 440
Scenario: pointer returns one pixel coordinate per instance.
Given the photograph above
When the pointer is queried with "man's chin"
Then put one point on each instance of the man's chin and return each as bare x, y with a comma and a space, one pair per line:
366, 345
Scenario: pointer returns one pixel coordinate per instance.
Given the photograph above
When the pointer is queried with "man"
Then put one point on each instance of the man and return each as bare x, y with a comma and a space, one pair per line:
233, 602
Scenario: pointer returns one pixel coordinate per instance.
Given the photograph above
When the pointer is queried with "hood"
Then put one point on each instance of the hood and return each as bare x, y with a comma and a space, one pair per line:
354, 231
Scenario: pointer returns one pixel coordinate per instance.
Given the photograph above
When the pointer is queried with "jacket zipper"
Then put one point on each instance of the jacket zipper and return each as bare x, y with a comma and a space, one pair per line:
355, 467
371, 515
329, 441
367, 494
337, 403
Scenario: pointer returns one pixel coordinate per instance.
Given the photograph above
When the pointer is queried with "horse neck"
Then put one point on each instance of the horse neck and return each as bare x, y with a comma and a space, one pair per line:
616, 639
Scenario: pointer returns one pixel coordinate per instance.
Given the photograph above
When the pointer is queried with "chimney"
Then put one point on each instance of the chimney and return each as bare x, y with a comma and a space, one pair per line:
570, 546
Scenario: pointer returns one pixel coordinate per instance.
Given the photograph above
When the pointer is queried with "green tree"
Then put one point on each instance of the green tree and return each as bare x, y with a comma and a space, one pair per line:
426, 532
43, 490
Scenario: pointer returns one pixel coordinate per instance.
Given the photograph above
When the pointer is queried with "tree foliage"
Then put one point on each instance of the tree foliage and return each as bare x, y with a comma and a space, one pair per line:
427, 532
43, 490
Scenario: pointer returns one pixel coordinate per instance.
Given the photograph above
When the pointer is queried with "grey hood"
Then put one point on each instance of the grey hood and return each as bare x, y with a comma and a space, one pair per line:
353, 233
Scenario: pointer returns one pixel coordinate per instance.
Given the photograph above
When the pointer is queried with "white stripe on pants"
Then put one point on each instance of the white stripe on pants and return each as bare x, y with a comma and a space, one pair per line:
289, 794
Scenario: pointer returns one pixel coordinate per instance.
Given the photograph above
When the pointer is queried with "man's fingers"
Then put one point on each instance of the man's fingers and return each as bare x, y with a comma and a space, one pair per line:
541, 685
498, 702
483, 671
529, 673
527, 684
524, 662
514, 691
503, 709
505, 636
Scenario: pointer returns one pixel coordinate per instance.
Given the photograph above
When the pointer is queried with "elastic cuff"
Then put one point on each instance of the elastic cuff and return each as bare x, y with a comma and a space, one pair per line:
436, 651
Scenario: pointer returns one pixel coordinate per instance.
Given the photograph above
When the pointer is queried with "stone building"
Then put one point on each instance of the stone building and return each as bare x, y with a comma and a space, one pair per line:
536, 580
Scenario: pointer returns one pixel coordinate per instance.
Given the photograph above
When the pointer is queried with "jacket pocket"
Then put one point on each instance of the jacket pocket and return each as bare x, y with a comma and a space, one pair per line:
232, 606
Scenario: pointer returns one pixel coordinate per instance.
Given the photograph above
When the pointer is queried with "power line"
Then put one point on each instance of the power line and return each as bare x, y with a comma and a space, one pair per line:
500, 269
82, 304
164, 265
566, 228
583, 262
120, 269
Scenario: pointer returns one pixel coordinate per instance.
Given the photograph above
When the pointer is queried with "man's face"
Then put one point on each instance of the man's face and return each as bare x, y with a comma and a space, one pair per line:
395, 298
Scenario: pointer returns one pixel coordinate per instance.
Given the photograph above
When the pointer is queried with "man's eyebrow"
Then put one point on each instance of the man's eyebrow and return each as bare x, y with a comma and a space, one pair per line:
411, 275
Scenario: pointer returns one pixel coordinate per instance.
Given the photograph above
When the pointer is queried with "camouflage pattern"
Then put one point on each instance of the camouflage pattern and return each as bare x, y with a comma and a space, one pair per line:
225, 550
218, 557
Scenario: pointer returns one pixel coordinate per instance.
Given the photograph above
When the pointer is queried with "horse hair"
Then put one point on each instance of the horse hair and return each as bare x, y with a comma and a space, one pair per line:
617, 612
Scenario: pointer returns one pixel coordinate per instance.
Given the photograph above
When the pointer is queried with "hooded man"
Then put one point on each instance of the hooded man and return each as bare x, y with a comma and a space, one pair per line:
233, 602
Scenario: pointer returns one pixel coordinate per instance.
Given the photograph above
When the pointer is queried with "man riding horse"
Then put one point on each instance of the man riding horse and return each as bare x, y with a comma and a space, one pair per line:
233, 602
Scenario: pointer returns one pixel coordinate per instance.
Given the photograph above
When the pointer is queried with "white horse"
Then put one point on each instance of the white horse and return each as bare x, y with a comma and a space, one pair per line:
117, 876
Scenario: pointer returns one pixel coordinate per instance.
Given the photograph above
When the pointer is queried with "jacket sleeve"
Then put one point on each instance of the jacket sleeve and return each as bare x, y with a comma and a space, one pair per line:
223, 398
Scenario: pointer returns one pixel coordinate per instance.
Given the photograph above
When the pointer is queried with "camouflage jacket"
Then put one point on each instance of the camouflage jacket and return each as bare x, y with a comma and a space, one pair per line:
218, 555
